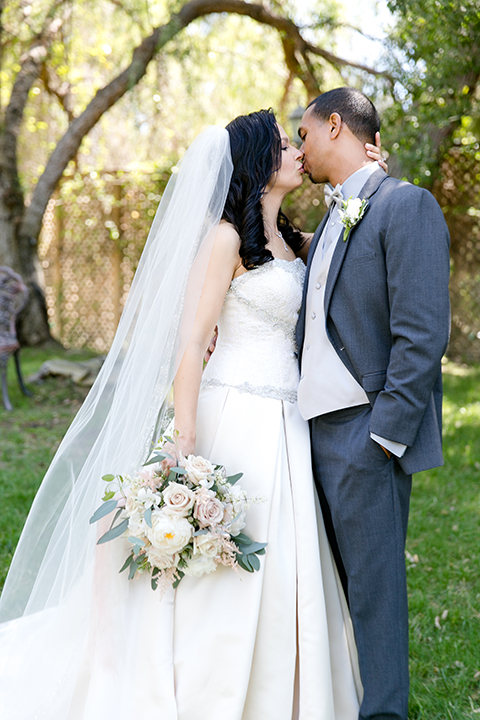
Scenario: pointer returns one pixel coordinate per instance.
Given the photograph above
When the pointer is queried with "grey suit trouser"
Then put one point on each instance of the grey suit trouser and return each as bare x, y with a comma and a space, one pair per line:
365, 500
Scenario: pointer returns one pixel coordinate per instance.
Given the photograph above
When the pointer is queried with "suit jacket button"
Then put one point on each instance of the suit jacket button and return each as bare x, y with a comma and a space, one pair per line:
313, 316
317, 286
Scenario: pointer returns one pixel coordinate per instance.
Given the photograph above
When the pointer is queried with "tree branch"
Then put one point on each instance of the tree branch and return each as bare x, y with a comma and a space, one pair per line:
30, 67
60, 90
107, 96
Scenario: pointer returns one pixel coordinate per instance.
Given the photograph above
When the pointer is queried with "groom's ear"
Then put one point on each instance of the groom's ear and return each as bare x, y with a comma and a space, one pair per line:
335, 123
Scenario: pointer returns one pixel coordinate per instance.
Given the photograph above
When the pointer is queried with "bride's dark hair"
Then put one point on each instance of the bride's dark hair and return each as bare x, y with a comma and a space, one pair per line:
256, 149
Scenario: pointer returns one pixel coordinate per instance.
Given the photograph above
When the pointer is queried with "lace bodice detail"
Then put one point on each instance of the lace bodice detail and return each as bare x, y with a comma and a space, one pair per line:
256, 350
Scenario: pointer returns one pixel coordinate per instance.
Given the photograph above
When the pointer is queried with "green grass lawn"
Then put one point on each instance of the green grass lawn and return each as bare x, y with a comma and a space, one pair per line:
443, 546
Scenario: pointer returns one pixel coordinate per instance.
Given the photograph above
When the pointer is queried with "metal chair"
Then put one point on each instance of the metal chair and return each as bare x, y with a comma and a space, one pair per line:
13, 298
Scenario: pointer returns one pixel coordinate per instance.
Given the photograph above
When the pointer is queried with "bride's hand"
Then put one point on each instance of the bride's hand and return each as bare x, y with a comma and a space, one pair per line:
375, 152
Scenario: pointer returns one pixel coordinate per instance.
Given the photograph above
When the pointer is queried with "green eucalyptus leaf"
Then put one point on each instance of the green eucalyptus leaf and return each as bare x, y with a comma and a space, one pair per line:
232, 479
148, 517
243, 562
156, 459
103, 510
133, 569
115, 517
254, 561
242, 539
108, 478
127, 562
137, 544
113, 532
252, 547
178, 470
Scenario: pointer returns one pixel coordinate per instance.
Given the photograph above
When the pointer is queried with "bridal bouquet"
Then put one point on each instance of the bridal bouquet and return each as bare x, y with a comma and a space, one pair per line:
180, 520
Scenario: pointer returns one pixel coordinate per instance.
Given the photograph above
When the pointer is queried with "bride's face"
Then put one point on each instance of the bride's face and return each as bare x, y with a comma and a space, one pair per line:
290, 174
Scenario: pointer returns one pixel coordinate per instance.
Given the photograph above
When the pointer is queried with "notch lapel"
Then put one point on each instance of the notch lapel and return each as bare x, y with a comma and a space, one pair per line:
369, 189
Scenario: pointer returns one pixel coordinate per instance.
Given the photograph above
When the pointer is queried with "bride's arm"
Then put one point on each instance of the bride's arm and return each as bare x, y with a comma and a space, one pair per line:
223, 263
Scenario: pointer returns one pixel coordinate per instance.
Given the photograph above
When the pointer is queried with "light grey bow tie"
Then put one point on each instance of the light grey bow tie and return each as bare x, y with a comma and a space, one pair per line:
333, 194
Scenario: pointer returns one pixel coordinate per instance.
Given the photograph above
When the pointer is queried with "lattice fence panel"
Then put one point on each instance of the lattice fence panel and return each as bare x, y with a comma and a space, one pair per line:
93, 235
96, 226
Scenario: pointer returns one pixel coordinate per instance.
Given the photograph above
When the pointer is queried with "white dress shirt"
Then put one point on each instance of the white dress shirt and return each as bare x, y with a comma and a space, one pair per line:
325, 383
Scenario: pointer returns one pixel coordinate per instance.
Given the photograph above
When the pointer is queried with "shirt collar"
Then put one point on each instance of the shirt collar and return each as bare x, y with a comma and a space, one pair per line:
352, 186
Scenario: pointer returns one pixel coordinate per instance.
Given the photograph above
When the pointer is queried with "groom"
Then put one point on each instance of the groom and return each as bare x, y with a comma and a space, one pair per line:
372, 330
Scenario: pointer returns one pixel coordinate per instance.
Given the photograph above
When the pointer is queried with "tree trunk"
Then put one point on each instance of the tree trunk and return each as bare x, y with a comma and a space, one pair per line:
25, 227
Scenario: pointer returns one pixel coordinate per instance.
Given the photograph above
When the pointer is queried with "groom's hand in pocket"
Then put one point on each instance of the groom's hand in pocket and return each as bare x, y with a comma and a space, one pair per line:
387, 452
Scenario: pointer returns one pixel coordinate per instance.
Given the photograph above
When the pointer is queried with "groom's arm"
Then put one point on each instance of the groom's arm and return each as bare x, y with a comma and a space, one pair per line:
417, 263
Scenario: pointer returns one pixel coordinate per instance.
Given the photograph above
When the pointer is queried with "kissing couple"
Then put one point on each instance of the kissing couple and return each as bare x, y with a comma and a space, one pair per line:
324, 389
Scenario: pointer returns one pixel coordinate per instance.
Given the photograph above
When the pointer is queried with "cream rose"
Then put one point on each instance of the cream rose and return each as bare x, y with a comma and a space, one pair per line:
160, 559
207, 545
208, 510
131, 504
200, 565
198, 470
178, 499
169, 533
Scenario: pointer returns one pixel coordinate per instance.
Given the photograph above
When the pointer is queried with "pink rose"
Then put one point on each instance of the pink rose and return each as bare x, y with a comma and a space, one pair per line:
208, 510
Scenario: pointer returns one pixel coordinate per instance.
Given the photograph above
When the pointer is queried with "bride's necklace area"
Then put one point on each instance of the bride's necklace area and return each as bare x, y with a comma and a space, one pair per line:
279, 234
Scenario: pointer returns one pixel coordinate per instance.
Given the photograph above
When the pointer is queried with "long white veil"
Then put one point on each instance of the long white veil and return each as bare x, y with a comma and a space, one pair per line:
54, 568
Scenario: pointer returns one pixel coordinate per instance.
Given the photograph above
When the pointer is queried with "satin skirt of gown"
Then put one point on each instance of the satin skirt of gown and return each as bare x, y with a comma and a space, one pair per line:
276, 644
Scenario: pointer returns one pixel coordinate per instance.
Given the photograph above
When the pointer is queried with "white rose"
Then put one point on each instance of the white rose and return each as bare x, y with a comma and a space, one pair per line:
169, 533
200, 565
198, 470
207, 545
353, 208
208, 510
160, 559
178, 499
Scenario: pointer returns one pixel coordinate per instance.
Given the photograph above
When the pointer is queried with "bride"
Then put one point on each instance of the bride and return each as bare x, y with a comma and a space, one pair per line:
80, 642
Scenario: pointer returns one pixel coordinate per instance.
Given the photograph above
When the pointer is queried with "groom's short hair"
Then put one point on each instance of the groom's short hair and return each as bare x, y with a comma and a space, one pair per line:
355, 109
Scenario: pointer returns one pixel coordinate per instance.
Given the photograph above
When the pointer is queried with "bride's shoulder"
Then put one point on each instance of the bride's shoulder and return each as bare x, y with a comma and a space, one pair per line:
227, 240
226, 233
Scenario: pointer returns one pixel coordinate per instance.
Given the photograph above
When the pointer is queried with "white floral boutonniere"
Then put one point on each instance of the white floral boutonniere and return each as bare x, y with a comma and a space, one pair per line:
351, 213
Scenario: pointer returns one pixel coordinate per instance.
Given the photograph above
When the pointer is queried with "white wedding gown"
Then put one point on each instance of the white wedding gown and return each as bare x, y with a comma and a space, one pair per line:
272, 645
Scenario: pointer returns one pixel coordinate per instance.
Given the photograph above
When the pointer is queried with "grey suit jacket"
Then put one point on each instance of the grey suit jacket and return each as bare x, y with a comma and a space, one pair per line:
387, 313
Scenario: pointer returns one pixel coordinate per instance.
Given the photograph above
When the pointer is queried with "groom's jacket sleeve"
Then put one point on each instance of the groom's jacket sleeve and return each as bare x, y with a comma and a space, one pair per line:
416, 247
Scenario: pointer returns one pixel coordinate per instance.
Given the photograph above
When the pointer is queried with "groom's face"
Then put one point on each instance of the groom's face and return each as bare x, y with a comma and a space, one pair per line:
316, 146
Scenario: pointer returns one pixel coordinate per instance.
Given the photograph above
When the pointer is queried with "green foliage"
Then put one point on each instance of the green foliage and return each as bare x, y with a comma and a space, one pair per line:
444, 564
435, 57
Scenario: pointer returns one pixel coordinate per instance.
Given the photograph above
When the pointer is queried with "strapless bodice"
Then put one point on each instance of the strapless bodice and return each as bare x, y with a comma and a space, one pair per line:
256, 350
